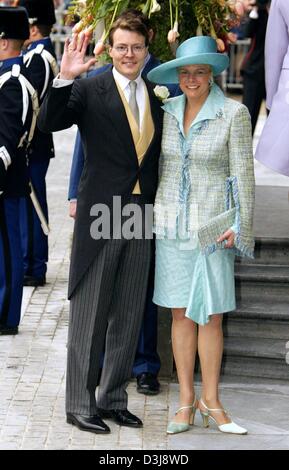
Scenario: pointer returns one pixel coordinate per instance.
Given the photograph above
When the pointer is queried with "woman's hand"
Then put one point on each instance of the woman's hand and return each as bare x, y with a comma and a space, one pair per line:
229, 236
72, 64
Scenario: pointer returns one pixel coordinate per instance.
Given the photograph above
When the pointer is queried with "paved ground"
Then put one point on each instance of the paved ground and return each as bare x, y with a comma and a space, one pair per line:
32, 368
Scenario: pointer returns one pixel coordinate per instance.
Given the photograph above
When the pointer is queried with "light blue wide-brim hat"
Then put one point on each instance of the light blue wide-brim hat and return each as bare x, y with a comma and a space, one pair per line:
196, 50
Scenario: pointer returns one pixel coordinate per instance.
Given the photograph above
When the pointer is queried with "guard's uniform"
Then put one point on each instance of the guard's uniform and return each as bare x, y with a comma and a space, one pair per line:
41, 63
18, 108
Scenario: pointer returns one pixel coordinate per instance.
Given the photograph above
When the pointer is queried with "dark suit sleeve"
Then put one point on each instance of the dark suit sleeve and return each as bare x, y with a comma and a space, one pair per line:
174, 90
11, 128
78, 155
76, 168
98, 71
153, 62
62, 107
250, 27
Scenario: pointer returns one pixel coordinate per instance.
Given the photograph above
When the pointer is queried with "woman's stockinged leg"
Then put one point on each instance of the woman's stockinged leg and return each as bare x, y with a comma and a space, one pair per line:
210, 349
184, 342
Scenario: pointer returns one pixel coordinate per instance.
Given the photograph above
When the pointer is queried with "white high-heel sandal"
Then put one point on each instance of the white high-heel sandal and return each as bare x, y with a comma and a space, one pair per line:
231, 427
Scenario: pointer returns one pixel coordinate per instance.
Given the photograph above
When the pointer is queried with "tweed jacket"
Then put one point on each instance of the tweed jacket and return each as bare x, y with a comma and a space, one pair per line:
209, 174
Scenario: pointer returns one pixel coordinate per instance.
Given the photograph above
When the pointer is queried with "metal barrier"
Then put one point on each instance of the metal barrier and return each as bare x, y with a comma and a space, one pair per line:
237, 52
60, 32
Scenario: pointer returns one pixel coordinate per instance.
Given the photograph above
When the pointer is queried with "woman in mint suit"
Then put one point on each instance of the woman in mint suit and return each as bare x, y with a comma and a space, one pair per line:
203, 217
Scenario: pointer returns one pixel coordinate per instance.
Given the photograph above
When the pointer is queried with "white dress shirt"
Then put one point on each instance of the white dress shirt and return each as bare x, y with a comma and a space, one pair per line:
123, 83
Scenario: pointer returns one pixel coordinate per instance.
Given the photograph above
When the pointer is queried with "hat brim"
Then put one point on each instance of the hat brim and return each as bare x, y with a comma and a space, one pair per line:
168, 72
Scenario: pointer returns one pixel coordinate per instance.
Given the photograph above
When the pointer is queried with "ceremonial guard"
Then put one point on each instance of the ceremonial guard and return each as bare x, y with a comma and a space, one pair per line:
18, 108
41, 62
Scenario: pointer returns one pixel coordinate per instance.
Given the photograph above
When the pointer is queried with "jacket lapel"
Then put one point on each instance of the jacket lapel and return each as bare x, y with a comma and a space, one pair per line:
114, 109
157, 116
155, 106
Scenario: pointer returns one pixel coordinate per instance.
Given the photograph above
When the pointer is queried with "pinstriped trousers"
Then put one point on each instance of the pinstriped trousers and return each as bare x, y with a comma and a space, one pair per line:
107, 308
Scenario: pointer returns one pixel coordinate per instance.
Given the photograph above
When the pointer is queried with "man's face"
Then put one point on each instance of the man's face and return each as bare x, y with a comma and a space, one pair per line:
128, 53
10, 48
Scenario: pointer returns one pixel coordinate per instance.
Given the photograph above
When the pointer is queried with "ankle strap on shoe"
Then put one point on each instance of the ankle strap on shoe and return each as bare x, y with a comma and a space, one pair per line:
212, 409
184, 408
187, 407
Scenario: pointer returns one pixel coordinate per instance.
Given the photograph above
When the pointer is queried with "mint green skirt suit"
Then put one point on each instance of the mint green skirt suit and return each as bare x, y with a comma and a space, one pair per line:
205, 178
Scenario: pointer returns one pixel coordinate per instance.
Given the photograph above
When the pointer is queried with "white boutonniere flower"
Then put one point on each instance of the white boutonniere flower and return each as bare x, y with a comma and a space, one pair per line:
161, 92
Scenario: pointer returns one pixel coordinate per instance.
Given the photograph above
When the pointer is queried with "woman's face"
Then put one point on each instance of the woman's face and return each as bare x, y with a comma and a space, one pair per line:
194, 80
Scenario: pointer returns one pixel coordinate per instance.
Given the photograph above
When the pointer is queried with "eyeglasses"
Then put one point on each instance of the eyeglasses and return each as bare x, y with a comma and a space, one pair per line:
185, 74
136, 49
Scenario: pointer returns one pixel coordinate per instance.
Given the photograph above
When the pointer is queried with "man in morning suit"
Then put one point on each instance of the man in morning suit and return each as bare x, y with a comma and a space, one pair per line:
120, 122
18, 108
147, 362
41, 62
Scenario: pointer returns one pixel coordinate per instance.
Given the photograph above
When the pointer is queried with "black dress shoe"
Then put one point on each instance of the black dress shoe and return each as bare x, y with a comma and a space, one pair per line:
8, 330
121, 417
88, 423
147, 384
32, 281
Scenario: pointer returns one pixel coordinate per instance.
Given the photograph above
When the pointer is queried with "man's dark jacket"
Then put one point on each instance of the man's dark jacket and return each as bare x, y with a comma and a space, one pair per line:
111, 166
254, 62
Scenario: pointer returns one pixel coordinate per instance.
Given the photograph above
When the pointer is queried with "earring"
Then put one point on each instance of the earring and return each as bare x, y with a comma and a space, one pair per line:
211, 82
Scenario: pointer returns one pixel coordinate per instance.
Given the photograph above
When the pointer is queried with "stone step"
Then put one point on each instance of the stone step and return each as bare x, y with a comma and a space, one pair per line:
256, 357
262, 282
252, 291
262, 310
257, 348
255, 367
262, 273
257, 333
269, 251
258, 328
